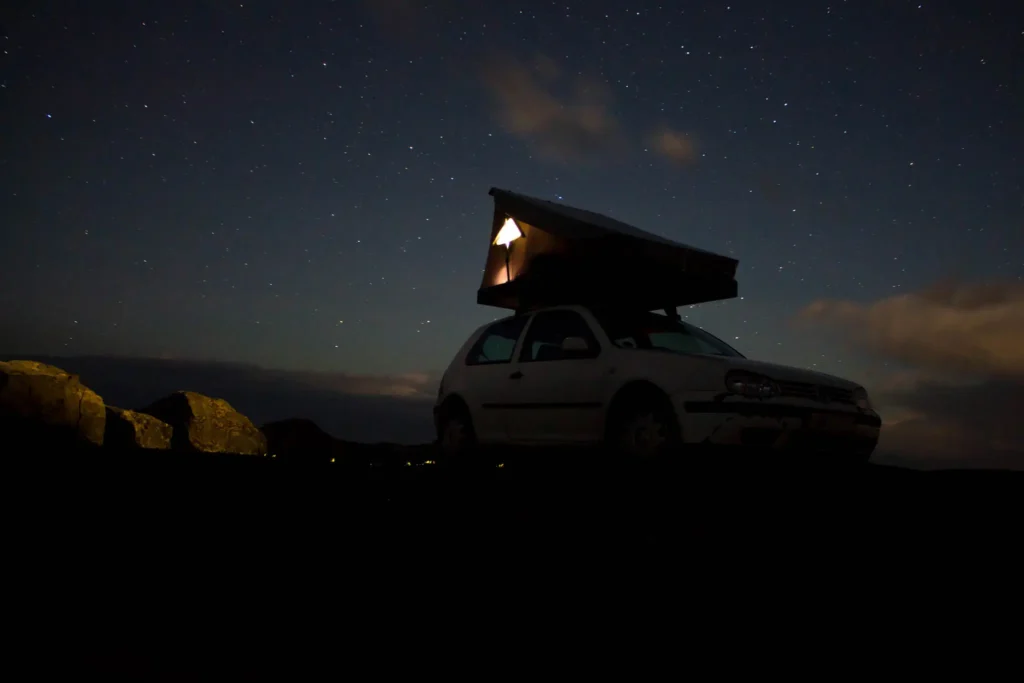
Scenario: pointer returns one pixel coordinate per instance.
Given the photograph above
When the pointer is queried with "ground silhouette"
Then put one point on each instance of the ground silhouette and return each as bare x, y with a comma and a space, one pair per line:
177, 566
138, 545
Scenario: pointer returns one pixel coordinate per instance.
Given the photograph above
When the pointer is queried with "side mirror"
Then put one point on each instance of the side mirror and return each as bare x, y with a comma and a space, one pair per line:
575, 345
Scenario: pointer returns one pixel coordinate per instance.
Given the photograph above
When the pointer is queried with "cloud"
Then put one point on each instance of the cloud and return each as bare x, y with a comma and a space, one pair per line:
971, 328
986, 407
564, 119
960, 399
675, 146
412, 385
938, 423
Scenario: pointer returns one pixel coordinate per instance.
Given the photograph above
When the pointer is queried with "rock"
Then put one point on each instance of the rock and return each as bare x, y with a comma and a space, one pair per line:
208, 425
39, 401
298, 439
132, 429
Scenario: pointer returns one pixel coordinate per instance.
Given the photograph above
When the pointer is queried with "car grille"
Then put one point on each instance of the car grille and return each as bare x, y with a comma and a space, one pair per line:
815, 392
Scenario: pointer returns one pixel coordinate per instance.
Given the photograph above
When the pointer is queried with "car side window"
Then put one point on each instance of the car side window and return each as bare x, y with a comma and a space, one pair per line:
675, 340
547, 332
497, 343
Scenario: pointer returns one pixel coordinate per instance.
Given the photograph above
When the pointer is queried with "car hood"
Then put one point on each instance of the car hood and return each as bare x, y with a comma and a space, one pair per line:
788, 373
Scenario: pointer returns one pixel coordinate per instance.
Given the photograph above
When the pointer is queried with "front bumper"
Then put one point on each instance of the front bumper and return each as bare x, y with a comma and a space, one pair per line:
778, 426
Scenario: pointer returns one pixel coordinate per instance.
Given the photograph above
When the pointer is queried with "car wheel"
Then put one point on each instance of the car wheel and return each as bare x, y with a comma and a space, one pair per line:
456, 437
645, 432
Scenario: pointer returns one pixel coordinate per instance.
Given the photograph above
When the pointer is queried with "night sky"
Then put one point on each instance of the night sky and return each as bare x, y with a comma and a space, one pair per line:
303, 186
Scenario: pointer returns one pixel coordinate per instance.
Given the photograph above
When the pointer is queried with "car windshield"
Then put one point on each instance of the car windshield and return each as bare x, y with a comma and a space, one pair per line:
645, 330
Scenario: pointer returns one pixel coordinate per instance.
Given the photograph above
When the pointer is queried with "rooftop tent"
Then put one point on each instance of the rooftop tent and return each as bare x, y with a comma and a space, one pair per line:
542, 253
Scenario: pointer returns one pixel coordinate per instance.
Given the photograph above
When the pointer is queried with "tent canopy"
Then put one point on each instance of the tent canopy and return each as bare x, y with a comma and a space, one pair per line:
567, 255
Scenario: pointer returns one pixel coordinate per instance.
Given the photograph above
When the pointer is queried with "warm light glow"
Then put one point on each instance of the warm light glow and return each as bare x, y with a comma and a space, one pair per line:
499, 277
509, 232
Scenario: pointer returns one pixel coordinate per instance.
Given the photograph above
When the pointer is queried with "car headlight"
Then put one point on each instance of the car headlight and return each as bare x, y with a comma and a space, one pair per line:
750, 385
861, 398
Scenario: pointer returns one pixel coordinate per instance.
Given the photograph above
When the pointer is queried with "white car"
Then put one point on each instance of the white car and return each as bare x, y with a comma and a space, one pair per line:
642, 382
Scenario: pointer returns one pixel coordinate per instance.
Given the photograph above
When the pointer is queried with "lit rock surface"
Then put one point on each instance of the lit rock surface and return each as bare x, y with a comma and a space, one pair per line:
208, 425
39, 400
132, 429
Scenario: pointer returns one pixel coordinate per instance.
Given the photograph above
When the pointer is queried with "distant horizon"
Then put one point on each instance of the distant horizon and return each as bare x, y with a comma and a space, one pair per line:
366, 409
367, 415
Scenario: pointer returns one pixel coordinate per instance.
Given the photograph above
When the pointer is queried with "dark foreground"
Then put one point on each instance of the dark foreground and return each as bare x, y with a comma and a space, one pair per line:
180, 568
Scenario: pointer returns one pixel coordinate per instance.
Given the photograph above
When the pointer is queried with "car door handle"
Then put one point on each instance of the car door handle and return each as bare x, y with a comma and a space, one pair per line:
516, 375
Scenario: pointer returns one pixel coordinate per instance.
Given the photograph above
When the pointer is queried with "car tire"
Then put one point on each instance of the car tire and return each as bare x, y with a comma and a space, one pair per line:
645, 431
457, 441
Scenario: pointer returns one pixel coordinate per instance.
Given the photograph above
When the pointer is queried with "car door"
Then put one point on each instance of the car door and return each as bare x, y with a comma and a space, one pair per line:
488, 366
555, 396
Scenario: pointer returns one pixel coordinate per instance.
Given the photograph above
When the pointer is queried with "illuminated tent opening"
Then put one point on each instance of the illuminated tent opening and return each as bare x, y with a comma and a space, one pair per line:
509, 232
542, 253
